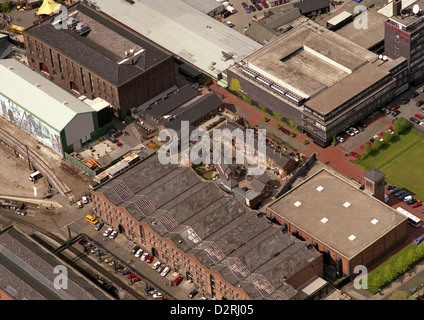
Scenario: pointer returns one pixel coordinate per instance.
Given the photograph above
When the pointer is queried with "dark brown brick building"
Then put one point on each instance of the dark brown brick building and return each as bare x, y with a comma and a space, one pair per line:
204, 234
93, 55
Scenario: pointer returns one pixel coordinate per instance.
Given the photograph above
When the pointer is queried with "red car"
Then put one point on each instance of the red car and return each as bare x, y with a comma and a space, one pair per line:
416, 204
118, 143
354, 154
419, 116
264, 4
244, 4
285, 131
149, 259
177, 280
396, 106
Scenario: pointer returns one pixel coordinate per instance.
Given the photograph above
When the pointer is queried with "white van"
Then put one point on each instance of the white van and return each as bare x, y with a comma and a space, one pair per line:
231, 9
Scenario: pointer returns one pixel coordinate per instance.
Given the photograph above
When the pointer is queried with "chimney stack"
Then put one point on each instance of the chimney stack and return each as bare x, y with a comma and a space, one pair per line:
397, 7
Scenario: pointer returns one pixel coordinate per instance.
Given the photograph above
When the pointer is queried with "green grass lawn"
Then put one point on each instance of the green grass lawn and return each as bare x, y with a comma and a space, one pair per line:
401, 161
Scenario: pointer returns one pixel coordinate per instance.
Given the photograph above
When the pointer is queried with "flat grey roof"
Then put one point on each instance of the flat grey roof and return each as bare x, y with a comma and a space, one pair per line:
340, 216
352, 85
183, 30
308, 58
204, 221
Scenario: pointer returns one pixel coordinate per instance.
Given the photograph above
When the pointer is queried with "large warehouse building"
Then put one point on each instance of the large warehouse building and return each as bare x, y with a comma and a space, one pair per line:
316, 79
349, 226
204, 234
190, 34
52, 115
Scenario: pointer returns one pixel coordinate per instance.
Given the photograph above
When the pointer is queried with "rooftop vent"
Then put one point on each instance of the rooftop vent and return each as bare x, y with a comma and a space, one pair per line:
346, 204
374, 221
352, 237
324, 220
297, 203
320, 188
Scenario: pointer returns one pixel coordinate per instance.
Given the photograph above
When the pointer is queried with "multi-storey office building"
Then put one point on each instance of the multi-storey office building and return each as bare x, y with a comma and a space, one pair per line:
317, 80
89, 53
404, 36
204, 234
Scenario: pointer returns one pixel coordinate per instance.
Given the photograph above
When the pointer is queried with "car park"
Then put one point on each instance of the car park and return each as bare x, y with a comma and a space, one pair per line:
99, 225
113, 234
177, 280
419, 240
144, 256
138, 253
192, 293
165, 271
156, 265
107, 232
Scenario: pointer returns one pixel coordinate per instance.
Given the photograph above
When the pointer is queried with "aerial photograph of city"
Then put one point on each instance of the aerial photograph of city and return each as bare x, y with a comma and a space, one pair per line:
217, 154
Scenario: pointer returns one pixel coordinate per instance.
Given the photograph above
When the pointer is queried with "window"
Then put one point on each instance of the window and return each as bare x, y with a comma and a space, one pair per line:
51, 57
60, 63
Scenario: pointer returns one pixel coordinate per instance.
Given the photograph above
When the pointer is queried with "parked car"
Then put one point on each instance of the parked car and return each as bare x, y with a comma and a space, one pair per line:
157, 295
411, 201
135, 249
113, 234
177, 280
340, 139
156, 265
422, 124
149, 259
107, 232
99, 225
354, 154
418, 116
258, 7
350, 132
419, 103
414, 120
397, 194
113, 139
354, 130
395, 107
414, 95
165, 271
264, 4
252, 8
419, 240
395, 190
144, 256
395, 113
193, 293
404, 101
285, 131
389, 187
138, 253
386, 198
84, 199
403, 195
416, 204
244, 4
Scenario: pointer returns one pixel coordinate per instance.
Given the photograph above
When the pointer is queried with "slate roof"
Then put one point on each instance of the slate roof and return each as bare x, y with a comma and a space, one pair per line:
98, 50
204, 221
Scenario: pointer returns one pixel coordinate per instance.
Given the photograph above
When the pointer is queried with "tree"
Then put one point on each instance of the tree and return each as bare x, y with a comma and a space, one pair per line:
401, 125
390, 273
334, 142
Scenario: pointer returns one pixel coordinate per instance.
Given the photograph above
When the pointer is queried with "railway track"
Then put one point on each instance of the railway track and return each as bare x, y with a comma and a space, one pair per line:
39, 163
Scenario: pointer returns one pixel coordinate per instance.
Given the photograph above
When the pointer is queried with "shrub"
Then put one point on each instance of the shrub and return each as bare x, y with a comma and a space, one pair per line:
401, 125
305, 141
